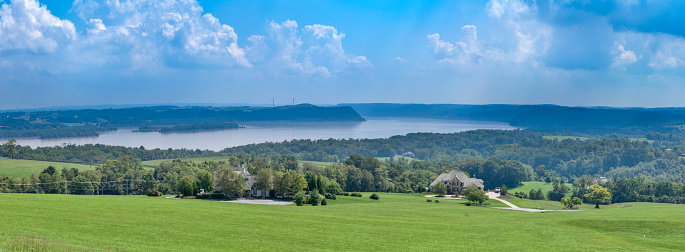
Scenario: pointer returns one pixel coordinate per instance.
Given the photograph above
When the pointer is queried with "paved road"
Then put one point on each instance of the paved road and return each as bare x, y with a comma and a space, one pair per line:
494, 195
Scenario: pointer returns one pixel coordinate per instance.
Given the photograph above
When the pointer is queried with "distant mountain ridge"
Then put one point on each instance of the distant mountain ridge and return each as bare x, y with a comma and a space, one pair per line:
90, 122
532, 116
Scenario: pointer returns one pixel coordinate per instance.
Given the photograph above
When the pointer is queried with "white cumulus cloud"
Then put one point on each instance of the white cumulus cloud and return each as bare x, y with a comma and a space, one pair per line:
316, 49
26, 25
624, 57
466, 50
175, 32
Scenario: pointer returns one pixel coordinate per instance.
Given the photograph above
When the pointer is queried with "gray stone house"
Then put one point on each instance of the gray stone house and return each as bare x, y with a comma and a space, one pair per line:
456, 182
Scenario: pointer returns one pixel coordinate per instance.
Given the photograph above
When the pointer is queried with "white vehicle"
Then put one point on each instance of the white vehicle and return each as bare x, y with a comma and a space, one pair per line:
497, 189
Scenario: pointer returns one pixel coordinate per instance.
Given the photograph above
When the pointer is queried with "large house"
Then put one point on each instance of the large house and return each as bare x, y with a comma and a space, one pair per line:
456, 182
249, 182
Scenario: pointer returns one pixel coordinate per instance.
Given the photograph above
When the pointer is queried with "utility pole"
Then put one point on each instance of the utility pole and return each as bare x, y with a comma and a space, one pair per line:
273, 102
293, 101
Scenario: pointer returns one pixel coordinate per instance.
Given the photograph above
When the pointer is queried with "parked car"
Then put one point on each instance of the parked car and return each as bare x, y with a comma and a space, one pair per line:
497, 189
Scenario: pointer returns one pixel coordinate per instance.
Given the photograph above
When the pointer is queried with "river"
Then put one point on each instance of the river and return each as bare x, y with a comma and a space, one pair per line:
374, 127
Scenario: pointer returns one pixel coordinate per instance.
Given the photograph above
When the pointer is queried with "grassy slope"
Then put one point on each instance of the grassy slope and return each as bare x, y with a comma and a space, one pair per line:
546, 187
18, 168
395, 222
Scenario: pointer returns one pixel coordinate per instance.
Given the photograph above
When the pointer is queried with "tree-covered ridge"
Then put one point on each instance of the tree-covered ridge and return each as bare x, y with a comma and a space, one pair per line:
90, 122
609, 156
550, 118
188, 127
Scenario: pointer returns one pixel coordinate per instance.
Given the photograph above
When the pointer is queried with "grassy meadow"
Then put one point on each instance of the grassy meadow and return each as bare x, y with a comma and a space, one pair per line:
18, 168
546, 187
403, 222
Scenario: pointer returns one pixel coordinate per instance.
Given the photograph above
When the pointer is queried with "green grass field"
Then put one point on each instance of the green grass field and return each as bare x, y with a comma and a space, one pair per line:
395, 222
546, 187
18, 168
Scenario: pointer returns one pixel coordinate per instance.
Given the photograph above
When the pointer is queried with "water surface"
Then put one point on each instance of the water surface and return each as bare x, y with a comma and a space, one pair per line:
374, 127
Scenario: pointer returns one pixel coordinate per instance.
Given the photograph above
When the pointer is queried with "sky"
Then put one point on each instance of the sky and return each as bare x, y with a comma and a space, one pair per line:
578, 53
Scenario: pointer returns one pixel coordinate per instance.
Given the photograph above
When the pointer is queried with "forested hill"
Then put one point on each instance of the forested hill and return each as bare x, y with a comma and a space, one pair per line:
88, 122
561, 118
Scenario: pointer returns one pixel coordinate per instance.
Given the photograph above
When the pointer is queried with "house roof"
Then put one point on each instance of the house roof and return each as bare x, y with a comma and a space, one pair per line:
242, 171
449, 176
473, 182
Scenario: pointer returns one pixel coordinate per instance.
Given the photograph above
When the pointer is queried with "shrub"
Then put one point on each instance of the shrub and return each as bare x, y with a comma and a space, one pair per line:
153, 193
210, 196
346, 194
356, 194
376, 197
330, 196
314, 198
429, 200
437, 201
299, 198
521, 195
323, 202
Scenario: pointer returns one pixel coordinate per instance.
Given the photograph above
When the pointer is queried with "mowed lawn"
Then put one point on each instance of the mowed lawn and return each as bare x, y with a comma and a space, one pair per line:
19, 168
395, 222
534, 185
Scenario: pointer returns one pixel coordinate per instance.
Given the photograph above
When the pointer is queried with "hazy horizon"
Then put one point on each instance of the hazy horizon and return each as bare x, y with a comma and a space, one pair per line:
575, 53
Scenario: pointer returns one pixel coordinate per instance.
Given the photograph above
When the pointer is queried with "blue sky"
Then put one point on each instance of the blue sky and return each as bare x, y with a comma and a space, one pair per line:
87, 52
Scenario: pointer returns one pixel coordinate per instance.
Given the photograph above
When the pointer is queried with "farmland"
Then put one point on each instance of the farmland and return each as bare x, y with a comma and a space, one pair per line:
18, 168
395, 222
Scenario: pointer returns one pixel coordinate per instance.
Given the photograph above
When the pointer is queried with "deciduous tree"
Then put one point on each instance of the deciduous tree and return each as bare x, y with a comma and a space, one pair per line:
598, 195
440, 189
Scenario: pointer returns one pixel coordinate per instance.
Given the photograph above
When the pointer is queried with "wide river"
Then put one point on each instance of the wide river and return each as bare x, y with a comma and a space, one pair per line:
374, 127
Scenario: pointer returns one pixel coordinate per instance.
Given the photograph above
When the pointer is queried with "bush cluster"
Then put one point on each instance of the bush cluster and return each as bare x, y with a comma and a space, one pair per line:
437, 201
356, 194
346, 194
153, 193
210, 196
521, 195
299, 198
324, 202
314, 198
429, 200
330, 196
376, 197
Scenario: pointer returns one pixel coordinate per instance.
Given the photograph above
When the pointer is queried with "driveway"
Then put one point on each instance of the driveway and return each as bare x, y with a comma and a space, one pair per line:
494, 195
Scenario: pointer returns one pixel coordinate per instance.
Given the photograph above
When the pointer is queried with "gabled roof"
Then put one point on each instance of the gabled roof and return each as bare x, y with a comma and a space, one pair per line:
242, 171
473, 182
449, 176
